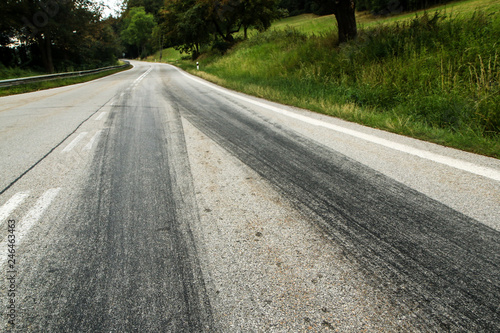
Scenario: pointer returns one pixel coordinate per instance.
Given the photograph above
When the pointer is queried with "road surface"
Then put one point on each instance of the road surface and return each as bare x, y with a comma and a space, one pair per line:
153, 201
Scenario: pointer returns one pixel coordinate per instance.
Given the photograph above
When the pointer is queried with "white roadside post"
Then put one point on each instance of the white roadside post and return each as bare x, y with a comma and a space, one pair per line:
197, 65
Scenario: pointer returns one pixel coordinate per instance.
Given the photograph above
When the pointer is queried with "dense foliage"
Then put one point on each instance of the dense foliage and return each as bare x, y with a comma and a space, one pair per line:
378, 7
56, 35
137, 28
386, 7
188, 24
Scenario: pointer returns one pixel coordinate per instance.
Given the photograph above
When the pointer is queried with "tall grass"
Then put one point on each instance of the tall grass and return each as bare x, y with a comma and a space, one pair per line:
434, 77
16, 72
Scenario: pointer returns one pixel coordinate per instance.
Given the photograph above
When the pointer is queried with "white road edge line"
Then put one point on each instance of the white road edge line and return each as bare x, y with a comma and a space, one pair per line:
449, 161
74, 142
33, 216
92, 140
12, 204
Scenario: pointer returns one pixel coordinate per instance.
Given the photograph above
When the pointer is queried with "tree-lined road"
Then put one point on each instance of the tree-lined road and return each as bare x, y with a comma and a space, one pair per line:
154, 201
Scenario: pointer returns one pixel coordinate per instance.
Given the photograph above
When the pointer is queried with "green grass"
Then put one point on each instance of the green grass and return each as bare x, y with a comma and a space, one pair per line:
311, 24
36, 86
307, 24
14, 73
434, 77
169, 55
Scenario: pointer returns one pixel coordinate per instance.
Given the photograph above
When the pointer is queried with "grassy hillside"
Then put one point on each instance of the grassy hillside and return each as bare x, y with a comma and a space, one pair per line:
433, 76
169, 55
313, 24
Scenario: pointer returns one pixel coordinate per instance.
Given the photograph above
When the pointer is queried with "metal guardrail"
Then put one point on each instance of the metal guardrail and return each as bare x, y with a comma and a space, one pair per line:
49, 77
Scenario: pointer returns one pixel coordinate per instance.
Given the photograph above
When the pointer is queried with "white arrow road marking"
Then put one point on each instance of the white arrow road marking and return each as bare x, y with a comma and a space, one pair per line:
74, 142
102, 114
12, 204
32, 217
36, 212
92, 141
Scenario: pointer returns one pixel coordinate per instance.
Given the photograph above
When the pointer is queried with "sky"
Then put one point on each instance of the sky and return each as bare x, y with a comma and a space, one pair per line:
113, 7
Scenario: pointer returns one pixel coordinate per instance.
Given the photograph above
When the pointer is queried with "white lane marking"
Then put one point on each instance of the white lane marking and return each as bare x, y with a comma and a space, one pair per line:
91, 142
449, 161
74, 142
36, 212
140, 78
102, 114
12, 204
32, 217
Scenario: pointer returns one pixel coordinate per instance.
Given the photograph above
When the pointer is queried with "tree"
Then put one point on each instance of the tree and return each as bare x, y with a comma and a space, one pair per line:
344, 11
225, 16
185, 25
138, 27
190, 23
345, 14
51, 29
229, 16
259, 14
150, 6
103, 46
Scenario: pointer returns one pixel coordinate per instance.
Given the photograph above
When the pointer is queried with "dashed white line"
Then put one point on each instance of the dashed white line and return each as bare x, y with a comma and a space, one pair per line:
36, 212
102, 114
140, 78
12, 204
33, 216
92, 140
74, 142
449, 161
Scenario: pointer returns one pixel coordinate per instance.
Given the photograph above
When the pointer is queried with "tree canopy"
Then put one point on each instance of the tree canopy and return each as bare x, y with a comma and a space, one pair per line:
72, 34
377, 7
56, 34
137, 28
188, 24
150, 6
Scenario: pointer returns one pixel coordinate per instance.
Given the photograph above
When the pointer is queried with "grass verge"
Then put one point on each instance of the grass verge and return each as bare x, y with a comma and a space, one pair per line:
7, 73
42, 85
434, 77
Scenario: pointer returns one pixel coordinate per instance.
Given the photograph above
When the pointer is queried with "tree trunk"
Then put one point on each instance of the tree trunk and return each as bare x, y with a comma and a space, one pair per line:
45, 45
229, 38
346, 20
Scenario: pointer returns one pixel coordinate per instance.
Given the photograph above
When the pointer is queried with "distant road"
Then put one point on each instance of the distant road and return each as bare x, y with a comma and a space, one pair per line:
153, 201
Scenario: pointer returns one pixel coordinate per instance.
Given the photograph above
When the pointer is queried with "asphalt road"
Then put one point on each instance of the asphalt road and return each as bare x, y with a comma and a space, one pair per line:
153, 201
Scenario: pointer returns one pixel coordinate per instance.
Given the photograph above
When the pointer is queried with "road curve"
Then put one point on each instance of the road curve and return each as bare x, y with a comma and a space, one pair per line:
150, 201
